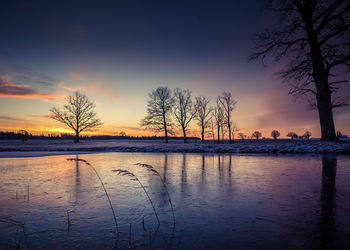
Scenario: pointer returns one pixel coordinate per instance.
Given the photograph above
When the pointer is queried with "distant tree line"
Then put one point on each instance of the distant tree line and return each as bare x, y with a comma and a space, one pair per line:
25, 136
275, 134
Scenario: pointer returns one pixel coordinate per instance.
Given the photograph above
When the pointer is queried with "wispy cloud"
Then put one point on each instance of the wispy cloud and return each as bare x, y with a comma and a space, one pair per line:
10, 118
16, 90
46, 117
94, 86
131, 128
25, 75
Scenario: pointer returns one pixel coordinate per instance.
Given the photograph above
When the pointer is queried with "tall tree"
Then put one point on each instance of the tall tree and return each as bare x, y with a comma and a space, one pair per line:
159, 108
183, 109
219, 117
78, 114
314, 37
234, 129
203, 112
228, 105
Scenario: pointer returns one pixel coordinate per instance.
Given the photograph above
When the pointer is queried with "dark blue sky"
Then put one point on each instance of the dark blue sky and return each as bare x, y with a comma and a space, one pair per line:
179, 30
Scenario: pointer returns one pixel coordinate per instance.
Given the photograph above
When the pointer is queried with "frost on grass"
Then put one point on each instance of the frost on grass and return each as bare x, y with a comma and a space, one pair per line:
62, 146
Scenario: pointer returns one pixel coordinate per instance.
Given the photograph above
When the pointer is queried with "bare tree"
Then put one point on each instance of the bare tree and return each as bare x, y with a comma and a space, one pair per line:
159, 109
222, 126
228, 105
24, 135
242, 136
234, 129
122, 133
339, 134
256, 135
292, 135
203, 112
307, 135
183, 109
78, 114
212, 126
275, 134
219, 117
314, 35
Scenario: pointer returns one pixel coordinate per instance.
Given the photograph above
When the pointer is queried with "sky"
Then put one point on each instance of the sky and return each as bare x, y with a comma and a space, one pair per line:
116, 52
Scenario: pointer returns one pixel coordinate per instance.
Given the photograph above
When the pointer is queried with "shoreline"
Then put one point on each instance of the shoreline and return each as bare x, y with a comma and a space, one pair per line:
10, 149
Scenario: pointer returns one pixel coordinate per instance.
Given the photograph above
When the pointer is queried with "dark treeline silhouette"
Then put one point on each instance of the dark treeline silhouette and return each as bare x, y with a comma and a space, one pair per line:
4, 135
20, 136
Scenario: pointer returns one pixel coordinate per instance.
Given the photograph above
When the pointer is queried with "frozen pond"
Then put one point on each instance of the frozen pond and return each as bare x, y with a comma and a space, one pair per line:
219, 202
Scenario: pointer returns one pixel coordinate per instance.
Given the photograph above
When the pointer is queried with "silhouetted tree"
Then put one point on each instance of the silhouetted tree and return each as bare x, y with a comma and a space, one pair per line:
234, 128
256, 135
307, 135
203, 112
219, 117
122, 133
24, 135
183, 109
212, 126
315, 36
275, 134
78, 114
242, 136
292, 135
228, 104
159, 109
339, 134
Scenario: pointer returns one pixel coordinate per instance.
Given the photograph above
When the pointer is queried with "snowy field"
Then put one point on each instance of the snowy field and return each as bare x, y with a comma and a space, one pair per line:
14, 148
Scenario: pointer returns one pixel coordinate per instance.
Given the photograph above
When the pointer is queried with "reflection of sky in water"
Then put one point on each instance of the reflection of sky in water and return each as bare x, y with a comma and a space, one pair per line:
219, 200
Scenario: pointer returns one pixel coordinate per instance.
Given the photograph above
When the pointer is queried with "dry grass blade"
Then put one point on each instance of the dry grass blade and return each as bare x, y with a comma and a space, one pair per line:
155, 172
16, 223
103, 186
134, 178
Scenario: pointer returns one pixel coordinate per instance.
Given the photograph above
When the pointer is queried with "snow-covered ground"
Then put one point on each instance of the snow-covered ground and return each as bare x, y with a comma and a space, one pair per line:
13, 148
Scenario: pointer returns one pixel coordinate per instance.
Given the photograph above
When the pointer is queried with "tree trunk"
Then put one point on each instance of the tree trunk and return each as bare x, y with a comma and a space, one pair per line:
325, 113
218, 134
320, 75
76, 137
166, 135
202, 134
165, 128
184, 133
229, 133
222, 134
